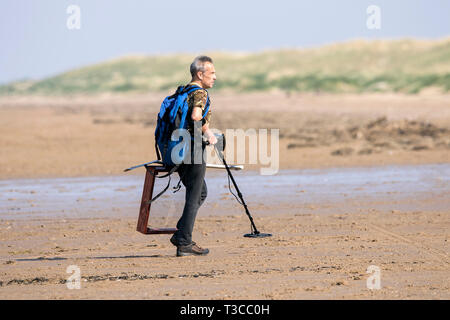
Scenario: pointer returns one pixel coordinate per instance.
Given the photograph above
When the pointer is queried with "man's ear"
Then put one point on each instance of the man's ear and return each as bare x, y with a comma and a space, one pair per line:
200, 75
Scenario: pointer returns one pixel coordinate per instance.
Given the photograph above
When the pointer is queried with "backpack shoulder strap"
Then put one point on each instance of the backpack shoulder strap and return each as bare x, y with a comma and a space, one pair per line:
207, 107
194, 87
158, 154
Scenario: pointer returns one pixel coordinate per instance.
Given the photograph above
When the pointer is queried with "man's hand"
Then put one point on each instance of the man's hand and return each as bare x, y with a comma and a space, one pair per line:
209, 134
212, 139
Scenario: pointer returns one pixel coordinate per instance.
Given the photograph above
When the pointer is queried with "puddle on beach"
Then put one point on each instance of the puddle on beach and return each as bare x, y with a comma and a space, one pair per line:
338, 190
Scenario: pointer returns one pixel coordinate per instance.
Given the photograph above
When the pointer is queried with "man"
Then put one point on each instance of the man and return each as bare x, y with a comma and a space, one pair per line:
192, 174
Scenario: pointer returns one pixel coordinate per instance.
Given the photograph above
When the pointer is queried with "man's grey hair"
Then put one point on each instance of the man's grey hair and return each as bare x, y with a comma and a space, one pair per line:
199, 64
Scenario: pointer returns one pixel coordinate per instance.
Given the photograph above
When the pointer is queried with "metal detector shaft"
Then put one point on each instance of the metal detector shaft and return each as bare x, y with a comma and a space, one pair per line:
238, 192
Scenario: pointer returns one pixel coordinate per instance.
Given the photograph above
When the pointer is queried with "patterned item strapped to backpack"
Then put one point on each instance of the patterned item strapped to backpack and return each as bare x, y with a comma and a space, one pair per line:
172, 116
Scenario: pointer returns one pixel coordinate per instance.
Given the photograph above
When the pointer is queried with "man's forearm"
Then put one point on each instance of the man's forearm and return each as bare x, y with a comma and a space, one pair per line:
206, 131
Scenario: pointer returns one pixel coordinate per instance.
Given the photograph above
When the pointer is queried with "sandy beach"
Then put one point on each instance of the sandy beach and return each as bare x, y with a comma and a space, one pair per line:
363, 181
83, 136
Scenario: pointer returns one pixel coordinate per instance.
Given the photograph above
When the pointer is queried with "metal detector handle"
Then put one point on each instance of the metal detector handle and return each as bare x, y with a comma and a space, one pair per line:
220, 140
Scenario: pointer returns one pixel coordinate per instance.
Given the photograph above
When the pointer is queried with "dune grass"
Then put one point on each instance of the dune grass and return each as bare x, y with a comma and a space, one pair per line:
406, 66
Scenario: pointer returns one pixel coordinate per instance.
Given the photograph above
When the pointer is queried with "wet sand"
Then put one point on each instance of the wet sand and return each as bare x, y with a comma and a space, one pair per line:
332, 190
326, 234
364, 180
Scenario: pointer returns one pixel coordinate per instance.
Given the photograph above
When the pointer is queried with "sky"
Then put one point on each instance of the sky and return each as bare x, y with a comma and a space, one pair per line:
36, 42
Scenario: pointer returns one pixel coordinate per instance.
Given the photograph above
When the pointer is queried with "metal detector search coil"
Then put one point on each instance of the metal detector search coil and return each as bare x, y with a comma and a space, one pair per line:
257, 235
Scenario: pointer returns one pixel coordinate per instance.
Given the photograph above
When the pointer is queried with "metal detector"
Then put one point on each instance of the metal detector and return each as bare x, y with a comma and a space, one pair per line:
219, 147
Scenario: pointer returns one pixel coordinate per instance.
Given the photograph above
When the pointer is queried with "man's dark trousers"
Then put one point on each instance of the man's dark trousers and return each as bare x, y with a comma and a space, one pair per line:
193, 178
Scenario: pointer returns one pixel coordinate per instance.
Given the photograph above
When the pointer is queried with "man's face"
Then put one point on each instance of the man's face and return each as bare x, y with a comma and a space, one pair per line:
208, 77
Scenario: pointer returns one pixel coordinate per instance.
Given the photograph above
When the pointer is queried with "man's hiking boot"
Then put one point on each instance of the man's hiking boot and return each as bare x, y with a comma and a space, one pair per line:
174, 241
191, 249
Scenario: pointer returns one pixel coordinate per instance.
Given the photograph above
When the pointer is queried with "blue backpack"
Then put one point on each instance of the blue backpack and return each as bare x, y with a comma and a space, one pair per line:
172, 116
